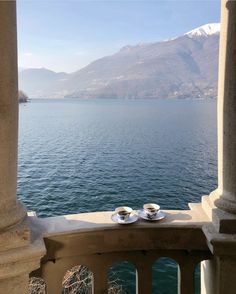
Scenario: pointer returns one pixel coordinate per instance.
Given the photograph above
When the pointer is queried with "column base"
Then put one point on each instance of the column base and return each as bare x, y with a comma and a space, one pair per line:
21, 249
15, 237
217, 209
15, 215
223, 200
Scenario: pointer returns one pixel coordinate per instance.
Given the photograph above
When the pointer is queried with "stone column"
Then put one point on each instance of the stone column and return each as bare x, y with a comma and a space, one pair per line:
20, 249
11, 211
224, 197
218, 274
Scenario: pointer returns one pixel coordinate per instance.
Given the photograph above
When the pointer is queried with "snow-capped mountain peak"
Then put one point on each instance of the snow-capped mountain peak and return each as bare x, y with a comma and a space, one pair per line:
205, 30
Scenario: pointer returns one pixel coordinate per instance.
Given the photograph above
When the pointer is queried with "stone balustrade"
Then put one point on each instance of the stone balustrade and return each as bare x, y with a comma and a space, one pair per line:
93, 240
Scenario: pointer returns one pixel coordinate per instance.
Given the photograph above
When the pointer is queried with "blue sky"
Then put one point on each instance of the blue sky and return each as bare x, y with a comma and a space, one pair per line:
65, 35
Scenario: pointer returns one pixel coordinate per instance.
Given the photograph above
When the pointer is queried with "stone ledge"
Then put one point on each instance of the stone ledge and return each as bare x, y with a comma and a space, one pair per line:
207, 206
89, 233
85, 222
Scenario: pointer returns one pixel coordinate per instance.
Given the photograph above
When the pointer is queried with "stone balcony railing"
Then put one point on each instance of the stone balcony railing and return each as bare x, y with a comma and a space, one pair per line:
93, 240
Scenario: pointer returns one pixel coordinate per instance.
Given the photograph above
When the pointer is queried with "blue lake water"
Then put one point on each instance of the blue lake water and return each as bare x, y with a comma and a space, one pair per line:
92, 155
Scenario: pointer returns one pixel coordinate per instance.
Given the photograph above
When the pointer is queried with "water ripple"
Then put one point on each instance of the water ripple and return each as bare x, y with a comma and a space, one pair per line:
77, 156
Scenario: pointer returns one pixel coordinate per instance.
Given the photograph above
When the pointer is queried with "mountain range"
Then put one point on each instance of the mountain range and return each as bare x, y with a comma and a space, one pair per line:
182, 67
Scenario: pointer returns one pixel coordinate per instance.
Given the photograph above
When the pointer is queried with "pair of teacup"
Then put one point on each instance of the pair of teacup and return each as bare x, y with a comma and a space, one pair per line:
150, 210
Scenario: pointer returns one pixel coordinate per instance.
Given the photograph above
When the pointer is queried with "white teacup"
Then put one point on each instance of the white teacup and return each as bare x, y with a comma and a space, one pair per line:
151, 209
123, 212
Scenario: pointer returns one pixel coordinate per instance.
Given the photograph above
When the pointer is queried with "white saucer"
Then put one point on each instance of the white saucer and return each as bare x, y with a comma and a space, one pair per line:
160, 215
132, 218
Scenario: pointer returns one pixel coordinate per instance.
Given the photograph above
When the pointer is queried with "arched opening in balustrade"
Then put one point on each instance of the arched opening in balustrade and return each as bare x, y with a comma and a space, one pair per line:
164, 276
122, 278
79, 280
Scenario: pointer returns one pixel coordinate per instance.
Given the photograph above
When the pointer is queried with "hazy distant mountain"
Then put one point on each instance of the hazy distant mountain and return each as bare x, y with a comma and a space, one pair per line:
184, 67
41, 82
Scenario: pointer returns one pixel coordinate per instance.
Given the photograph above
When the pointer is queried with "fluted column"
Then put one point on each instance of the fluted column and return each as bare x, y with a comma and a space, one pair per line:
225, 195
11, 211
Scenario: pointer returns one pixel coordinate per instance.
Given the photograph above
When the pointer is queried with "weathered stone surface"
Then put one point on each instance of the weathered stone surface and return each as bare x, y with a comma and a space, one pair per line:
221, 205
20, 251
11, 211
16, 285
17, 236
218, 274
224, 197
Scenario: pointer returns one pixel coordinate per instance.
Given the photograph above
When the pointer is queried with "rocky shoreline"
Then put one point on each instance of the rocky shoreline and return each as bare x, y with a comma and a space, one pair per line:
22, 97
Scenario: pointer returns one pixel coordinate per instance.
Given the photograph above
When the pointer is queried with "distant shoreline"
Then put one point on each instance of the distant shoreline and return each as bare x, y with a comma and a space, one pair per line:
118, 99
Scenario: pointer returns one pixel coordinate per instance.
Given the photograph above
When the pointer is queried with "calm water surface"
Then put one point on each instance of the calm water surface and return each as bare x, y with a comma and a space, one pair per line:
93, 155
